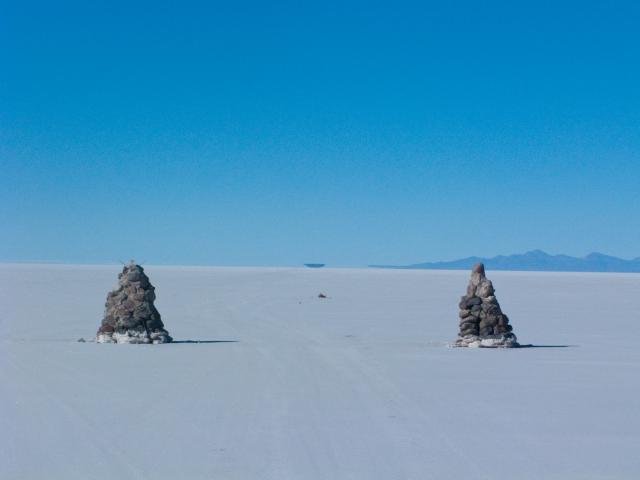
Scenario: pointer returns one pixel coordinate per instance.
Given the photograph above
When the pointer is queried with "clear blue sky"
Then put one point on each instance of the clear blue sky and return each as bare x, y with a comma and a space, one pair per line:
350, 133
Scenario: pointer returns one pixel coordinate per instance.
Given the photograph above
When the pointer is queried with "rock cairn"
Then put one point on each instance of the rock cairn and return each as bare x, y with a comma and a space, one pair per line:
130, 316
482, 323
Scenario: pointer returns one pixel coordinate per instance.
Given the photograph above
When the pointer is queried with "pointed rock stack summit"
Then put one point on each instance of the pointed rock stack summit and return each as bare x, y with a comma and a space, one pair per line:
130, 316
482, 323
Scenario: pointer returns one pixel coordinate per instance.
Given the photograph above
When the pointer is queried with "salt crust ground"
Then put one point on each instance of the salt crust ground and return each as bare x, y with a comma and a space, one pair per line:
357, 386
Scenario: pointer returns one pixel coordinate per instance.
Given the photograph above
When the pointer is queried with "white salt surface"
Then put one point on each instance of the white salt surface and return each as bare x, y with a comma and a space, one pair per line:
360, 385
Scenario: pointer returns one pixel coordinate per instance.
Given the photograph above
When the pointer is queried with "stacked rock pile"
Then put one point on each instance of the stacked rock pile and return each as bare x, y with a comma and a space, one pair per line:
482, 323
130, 316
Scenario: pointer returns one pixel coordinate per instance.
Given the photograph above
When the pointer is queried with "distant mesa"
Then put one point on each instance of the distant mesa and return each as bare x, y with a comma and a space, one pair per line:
482, 323
535, 260
314, 265
130, 315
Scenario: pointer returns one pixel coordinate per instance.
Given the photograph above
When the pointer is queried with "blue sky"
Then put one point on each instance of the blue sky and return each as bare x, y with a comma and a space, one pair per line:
350, 133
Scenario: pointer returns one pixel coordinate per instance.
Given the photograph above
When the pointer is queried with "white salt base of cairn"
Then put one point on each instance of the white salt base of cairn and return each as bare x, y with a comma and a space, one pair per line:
131, 336
130, 316
482, 323
495, 341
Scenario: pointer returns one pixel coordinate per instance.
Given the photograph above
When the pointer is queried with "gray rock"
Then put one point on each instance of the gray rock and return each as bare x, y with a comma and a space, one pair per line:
473, 301
466, 325
482, 323
486, 331
492, 308
469, 330
485, 289
130, 315
491, 320
490, 300
468, 320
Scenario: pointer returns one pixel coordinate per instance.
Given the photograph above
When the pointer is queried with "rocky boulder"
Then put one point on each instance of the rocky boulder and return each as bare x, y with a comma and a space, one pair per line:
481, 321
130, 315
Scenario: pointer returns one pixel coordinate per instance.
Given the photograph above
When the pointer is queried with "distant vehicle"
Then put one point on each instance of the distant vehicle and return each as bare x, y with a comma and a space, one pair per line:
314, 265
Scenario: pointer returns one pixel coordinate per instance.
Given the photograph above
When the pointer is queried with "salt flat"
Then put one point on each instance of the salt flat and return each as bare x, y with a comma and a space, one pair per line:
360, 385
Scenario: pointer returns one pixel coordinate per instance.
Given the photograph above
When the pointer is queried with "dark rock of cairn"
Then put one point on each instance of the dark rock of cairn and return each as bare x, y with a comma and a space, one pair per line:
482, 323
130, 316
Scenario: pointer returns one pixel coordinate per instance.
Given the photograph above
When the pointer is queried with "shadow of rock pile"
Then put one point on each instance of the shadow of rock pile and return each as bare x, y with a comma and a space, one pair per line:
130, 316
482, 323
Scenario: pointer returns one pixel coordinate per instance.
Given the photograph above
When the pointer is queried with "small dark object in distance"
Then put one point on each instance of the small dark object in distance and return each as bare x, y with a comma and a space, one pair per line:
82, 340
322, 295
314, 265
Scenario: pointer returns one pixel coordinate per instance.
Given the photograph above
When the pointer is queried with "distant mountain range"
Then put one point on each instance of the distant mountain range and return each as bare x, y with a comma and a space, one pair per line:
535, 260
